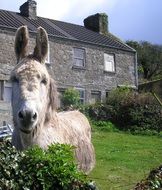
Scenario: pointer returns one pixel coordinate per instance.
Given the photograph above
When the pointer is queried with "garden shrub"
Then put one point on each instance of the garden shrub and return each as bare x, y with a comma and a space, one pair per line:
38, 169
70, 98
139, 113
104, 126
98, 111
153, 181
118, 95
128, 111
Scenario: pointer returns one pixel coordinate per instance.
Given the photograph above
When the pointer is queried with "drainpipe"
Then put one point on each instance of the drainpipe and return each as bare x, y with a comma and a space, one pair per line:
136, 71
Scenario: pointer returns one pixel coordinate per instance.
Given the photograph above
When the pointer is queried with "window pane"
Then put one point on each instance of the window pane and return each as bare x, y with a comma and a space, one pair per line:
82, 95
79, 57
108, 66
79, 53
95, 96
107, 94
1, 89
78, 62
109, 62
7, 91
82, 101
7, 94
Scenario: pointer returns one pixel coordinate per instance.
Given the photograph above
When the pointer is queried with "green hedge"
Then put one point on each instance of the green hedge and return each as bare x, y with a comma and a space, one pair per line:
37, 169
128, 111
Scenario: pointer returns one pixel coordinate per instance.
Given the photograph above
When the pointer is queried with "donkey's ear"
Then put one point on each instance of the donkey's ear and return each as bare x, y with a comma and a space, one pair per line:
41, 48
21, 42
53, 95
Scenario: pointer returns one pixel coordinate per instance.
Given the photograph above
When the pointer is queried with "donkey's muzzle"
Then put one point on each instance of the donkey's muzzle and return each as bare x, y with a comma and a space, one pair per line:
27, 117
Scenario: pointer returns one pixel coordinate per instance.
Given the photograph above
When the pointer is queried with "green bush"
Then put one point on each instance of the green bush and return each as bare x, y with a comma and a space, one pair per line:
104, 126
98, 111
128, 111
118, 95
70, 98
153, 181
138, 114
38, 169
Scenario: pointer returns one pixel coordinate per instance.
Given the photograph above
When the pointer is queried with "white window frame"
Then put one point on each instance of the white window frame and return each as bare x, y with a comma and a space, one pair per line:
109, 62
5, 95
47, 61
82, 99
75, 57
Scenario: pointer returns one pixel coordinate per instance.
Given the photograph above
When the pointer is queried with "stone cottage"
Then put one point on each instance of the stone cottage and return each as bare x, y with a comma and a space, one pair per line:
88, 58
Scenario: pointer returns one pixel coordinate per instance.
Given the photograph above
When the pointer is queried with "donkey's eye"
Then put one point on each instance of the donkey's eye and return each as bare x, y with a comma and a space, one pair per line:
44, 81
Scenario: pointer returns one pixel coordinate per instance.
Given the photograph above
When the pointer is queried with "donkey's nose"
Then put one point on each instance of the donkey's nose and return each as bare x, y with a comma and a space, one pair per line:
27, 116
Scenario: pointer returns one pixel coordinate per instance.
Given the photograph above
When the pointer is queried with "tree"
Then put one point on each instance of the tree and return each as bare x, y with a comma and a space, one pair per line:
149, 58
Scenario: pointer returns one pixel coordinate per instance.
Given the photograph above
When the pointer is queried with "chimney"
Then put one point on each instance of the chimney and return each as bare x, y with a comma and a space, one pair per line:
29, 9
97, 23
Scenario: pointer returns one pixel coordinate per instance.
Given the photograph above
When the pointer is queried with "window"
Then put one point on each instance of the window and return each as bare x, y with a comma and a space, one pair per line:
107, 94
82, 95
109, 62
79, 57
5, 91
1, 89
95, 96
47, 61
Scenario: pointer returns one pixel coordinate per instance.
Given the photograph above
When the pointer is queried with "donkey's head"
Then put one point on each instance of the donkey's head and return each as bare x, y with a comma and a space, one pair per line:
34, 93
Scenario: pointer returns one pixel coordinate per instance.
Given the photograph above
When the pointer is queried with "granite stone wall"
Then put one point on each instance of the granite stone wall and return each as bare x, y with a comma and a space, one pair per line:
93, 76
90, 78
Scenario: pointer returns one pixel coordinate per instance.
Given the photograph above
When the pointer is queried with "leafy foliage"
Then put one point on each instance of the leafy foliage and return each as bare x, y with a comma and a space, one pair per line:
138, 113
38, 169
98, 111
104, 126
129, 111
153, 181
149, 58
70, 98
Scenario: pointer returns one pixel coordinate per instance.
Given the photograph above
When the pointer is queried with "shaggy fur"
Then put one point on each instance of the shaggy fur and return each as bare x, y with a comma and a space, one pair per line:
35, 94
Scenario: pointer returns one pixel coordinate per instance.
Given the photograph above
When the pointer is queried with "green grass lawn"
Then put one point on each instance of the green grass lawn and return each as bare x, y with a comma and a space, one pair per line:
122, 160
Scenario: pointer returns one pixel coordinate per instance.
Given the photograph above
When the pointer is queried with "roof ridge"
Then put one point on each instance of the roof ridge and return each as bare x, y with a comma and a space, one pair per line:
62, 29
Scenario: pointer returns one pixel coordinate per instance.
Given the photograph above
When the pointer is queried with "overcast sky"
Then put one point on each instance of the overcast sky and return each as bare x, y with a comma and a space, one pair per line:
128, 19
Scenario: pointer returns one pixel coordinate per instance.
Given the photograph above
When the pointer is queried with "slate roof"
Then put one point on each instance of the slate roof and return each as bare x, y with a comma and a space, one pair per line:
13, 20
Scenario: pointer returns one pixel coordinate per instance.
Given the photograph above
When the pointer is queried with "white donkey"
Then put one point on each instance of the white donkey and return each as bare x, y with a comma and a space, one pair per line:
34, 101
